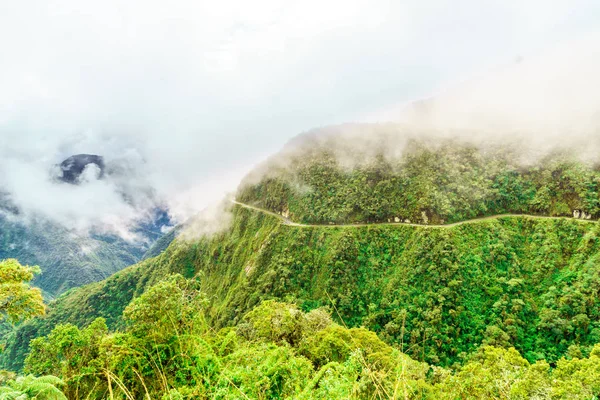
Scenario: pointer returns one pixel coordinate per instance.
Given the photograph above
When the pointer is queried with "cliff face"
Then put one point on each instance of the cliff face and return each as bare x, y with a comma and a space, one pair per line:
439, 292
72, 168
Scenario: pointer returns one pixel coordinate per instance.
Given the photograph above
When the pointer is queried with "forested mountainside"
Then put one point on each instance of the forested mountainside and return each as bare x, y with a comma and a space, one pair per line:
67, 260
504, 307
377, 173
437, 294
275, 352
441, 292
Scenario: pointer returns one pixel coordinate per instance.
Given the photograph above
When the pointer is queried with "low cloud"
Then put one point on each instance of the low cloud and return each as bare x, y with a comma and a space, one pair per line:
182, 100
548, 98
131, 189
211, 220
536, 104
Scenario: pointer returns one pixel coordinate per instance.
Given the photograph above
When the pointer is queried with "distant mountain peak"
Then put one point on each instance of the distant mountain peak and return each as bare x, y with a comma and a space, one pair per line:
73, 167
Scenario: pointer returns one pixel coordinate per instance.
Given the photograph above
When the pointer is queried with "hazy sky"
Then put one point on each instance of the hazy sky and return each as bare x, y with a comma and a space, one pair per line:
202, 90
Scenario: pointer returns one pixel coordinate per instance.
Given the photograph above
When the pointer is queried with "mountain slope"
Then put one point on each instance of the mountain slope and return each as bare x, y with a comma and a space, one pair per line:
436, 292
67, 256
67, 260
378, 173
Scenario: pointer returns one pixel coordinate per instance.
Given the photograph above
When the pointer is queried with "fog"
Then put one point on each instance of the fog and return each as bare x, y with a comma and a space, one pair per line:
547, 99
185, 98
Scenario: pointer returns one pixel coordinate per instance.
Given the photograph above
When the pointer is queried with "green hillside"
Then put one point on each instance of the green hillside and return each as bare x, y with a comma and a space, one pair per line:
66, 260
439, 291
508, 295
275, 352
376, 173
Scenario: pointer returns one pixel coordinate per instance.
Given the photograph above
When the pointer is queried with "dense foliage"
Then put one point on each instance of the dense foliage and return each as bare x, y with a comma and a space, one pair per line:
507, 307
327, 179
436, 293
277, 352
30, 387
18, 301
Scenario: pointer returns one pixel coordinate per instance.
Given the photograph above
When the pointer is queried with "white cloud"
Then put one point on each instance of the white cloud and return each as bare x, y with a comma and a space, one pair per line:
192, 93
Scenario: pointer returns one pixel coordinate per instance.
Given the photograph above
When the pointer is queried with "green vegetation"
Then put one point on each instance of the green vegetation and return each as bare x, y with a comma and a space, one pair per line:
277, 351
31, 387
18, 301
437, 294
504, 308
163, 242
432, 181
67, 261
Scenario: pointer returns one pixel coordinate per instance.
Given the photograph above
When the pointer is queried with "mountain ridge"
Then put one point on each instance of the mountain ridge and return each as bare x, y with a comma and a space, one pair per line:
513, 281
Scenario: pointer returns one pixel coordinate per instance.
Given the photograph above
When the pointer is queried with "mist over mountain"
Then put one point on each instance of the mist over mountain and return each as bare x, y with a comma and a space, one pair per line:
73, 167
225, 87
81, 169
72, 256
432, 233
442, 250
125, 191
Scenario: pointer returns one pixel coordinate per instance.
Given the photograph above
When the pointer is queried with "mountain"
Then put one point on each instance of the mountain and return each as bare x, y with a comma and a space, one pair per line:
378, 173
500, 248
72, 168
453, 255
69, 258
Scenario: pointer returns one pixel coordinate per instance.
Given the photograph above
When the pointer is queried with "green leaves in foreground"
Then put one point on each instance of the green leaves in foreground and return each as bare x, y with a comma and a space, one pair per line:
278, 352
30, 387
18, 301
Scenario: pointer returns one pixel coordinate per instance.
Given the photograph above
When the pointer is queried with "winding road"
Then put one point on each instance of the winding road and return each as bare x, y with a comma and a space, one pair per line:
287, 221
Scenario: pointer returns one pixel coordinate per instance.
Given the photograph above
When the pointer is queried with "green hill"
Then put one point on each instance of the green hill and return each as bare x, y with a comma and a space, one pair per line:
442, 291
376, 173
436, 293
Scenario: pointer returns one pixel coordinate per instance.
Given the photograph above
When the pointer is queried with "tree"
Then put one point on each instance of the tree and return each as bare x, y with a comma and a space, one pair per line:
19, 301
30, 387
173, 307
69, 352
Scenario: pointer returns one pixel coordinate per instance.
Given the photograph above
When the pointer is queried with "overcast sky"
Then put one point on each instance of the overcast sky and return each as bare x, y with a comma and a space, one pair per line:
202, 90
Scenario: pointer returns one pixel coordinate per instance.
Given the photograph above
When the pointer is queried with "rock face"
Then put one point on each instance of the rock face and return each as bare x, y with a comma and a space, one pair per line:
73, 167
580, 214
